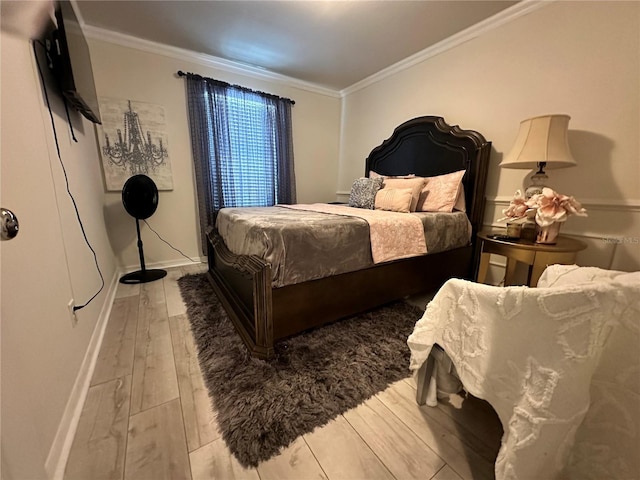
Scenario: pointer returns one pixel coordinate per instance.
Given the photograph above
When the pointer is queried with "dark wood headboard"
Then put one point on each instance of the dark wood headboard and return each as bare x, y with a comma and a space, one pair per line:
428, 146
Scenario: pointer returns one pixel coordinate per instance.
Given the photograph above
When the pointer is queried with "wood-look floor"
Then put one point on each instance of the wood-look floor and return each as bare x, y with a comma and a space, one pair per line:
147, 415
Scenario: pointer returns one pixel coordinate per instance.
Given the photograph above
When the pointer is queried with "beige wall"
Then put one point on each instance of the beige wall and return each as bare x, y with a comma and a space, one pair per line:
579, 58
136, 74
47, 264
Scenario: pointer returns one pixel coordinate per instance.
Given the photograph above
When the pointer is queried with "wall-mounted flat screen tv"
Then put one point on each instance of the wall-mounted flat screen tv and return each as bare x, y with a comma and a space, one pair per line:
72, 63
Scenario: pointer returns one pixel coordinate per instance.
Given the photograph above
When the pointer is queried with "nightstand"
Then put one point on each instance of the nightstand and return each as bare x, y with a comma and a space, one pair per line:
536, 255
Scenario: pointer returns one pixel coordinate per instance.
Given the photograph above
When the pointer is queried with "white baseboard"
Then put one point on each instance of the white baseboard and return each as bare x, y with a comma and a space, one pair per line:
174, 263
59, 452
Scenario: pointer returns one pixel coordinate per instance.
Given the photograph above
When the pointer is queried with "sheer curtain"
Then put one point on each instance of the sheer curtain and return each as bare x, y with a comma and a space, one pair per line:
242, 147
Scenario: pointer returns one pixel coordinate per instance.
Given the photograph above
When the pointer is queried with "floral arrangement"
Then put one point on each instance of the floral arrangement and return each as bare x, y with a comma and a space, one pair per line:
548, 207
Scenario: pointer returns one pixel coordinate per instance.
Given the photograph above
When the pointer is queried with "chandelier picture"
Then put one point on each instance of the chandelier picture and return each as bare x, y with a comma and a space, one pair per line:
132, 150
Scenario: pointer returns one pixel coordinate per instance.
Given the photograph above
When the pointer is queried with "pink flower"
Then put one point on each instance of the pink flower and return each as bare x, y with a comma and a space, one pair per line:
517, 208
573, 207
553, 207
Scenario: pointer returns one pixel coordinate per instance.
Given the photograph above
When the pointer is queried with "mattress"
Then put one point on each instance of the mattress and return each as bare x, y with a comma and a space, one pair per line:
304, 245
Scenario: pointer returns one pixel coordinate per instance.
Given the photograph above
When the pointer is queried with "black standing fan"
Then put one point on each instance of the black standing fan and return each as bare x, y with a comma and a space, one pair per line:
140, 199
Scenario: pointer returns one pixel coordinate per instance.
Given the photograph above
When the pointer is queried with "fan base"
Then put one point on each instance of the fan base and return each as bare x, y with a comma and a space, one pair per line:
143, 276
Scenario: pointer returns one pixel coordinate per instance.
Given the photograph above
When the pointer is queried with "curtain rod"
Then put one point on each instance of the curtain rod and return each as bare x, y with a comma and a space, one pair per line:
220, 82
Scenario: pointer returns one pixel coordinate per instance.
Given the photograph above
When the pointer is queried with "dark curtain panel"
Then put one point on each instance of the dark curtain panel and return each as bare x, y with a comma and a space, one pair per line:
284, 152
242, 147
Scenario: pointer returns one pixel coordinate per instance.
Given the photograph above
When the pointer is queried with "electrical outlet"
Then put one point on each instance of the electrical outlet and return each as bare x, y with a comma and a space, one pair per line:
74, 319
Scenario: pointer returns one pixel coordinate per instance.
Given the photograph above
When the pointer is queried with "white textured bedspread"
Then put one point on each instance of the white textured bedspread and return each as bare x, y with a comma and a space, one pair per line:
393, 235
532, 354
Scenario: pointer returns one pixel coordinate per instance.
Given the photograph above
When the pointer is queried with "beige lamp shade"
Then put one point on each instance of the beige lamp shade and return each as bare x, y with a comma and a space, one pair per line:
541, 140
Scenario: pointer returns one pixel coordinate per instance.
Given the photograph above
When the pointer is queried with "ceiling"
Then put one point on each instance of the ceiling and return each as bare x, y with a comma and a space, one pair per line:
332, 44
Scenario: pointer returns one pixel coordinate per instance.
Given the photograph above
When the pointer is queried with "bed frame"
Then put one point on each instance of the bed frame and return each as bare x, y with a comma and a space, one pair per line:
425, 146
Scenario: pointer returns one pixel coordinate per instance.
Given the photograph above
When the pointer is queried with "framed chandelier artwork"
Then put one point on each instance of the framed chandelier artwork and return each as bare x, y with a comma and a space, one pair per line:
133, 141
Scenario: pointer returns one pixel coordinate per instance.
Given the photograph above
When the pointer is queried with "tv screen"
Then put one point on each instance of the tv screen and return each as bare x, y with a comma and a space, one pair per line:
72, 63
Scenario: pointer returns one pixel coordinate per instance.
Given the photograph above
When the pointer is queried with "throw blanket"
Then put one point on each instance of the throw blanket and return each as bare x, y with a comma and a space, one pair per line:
393, 235
531, 353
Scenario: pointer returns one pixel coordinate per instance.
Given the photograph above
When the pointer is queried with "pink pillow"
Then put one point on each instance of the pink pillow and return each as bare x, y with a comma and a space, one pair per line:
442, 193
415, 184
373, 174
461, 204
394, 199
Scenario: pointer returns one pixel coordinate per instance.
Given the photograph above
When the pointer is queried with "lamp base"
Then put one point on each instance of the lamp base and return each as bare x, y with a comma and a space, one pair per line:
143, 276
538, 182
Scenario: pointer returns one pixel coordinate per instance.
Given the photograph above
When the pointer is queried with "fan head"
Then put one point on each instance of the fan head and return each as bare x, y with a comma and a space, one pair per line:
140, 197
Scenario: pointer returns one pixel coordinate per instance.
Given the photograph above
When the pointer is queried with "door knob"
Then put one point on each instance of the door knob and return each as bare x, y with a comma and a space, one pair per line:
8, 223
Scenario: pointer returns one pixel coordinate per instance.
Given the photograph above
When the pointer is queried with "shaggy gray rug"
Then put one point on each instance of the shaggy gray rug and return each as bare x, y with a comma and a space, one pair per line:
263, 406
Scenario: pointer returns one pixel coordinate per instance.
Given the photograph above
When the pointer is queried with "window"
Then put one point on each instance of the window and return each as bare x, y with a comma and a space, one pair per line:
242, 147
248, 156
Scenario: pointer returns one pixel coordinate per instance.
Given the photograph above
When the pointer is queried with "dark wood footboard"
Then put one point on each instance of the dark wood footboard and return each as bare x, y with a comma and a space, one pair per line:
262, 314
243, 285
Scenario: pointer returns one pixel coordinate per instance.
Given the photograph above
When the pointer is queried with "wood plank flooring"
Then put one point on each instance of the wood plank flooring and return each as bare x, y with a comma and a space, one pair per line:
147, 415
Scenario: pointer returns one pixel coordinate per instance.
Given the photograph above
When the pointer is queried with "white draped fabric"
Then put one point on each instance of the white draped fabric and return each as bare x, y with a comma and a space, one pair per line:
559, 364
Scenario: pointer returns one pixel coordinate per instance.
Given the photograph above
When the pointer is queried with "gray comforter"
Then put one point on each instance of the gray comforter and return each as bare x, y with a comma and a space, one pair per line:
304, 245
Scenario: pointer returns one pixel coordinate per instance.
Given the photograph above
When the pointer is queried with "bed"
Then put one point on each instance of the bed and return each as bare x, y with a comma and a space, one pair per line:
263, 312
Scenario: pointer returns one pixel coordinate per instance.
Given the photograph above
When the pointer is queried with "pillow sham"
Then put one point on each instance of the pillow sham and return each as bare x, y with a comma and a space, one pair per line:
363, 192
373, 174
441, 193
416, 185
394, 199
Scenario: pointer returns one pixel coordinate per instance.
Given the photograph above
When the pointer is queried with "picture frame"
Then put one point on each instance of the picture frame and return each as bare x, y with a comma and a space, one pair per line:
133, 140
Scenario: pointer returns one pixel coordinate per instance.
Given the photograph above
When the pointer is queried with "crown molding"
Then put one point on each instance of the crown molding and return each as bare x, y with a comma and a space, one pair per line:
518, 10
101, 34
522, 8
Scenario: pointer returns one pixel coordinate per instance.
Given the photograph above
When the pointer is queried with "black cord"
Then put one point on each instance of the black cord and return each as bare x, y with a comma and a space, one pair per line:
158, 235
66, 179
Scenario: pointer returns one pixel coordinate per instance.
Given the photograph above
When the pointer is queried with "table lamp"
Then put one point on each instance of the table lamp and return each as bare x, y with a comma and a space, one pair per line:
542, 142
